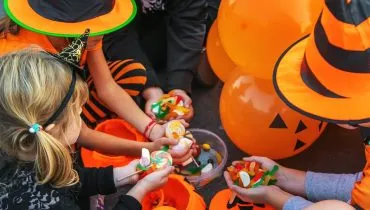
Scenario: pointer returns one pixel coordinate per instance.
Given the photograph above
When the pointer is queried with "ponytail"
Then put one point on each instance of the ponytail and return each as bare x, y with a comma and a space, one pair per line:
53, 162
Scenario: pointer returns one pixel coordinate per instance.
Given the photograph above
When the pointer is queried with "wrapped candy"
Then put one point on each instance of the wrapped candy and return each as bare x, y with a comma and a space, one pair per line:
169, 106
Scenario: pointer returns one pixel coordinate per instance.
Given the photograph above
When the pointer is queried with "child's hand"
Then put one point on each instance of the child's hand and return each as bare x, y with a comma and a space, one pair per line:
187, 103
150, 182
253, 195
121, 172
267, 164
151, 95
159, 131
160, 143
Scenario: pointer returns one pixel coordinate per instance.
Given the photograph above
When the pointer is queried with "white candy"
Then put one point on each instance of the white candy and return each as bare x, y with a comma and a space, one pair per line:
245, 178
182, 147
145, 157
207, 168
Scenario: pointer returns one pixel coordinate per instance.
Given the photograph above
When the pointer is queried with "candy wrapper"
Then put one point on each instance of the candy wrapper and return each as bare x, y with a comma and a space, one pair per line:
169, 106
249, 174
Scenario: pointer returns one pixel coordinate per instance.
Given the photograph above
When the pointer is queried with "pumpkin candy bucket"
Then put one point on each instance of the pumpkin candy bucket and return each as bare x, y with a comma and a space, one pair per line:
115, 127
177, 194
90, 158
221, 202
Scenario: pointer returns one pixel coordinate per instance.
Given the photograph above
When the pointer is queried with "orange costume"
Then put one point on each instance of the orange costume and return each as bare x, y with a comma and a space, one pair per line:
326, 75
128, 74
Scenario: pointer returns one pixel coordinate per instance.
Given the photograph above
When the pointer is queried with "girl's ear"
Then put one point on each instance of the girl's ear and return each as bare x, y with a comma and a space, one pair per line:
49, 127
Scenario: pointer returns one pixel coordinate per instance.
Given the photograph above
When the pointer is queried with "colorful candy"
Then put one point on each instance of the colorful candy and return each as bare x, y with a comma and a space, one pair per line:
161, 159
175, 130
249, 174
206, 147
169, 106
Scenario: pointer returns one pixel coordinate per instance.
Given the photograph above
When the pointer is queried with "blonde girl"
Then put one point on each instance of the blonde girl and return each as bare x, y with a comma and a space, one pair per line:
40, 104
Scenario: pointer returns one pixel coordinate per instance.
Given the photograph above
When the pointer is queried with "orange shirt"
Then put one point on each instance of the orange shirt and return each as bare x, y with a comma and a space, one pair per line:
23, 40
26, 38
361, 191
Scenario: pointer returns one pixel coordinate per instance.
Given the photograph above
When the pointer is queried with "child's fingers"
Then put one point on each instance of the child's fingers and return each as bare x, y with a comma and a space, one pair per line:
184, 123
228, 180
167, 141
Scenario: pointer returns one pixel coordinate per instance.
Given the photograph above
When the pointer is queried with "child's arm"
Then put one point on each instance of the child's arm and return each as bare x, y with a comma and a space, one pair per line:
113, 145
115, 97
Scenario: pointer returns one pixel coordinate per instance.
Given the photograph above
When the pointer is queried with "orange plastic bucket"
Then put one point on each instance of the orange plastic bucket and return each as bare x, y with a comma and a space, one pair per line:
115, 127
176, 194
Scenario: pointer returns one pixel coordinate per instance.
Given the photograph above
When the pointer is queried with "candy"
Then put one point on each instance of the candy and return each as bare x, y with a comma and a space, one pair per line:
182, 147
175, 130
207, 168
206, 147
161, 159
145, 158
249, 174
169, 106
245, 178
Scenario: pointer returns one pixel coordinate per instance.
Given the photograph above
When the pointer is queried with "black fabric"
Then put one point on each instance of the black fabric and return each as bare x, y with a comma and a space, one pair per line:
345, 60
170, 39
71, 11
19, 188
312, 82
127, 202
354, 13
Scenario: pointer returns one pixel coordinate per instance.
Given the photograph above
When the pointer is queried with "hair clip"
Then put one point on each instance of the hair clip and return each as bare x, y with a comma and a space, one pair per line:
35, 128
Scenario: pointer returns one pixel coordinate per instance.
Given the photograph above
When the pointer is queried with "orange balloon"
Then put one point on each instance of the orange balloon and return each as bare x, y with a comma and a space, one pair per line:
221, 199
259, 123
255, 33
218, 59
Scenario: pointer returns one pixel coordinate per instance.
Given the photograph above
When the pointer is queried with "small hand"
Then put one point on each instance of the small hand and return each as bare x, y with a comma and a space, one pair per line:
187, 103
158, 144
159, 131
151, 95
156, 179
252, 195
120, 173
268, 164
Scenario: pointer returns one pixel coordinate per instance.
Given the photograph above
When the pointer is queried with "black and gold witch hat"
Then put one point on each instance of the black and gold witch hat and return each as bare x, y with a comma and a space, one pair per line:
71, 55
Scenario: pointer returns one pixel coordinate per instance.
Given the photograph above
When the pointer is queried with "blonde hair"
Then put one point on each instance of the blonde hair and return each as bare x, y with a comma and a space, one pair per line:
32, 87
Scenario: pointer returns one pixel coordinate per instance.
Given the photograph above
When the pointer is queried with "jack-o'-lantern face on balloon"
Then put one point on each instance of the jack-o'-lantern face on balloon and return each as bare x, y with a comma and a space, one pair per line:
259, 123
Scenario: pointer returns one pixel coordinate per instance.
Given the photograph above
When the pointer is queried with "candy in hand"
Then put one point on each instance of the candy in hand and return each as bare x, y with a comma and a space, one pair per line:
250, 174
175, 130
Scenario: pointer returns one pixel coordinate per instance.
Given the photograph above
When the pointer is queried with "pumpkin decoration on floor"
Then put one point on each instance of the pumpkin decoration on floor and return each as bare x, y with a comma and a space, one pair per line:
258, 121
221, 202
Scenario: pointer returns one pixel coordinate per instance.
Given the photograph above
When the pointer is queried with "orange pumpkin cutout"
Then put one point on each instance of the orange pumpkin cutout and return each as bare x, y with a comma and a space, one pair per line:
176, 194
259, 123
255, 33
221, 202
115, 127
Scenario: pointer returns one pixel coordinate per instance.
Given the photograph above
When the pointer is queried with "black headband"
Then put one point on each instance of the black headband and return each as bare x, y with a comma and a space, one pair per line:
65, 101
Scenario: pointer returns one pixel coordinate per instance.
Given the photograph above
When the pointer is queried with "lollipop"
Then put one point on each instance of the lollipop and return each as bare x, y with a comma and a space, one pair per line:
161, 159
